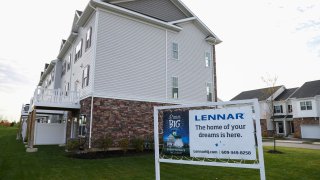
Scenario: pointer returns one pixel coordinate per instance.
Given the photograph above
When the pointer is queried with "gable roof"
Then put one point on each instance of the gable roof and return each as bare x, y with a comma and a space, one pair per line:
286, 94
308, 89
260, 94
164, 10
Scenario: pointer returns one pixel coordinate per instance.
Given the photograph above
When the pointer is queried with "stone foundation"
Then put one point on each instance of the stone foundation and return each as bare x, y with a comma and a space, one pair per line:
119, 119
300, 121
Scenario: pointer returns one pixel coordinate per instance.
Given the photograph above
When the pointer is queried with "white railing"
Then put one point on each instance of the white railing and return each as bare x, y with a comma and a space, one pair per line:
55, 96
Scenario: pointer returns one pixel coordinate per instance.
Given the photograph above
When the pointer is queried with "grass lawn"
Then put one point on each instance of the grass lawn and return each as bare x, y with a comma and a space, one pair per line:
50, 162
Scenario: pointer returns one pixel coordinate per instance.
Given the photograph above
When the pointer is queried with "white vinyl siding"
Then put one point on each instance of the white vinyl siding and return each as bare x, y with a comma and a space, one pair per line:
69, 62
74, 75
192, 73
130, 59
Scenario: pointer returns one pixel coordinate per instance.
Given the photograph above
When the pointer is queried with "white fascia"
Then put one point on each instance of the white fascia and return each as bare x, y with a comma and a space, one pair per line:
67, 44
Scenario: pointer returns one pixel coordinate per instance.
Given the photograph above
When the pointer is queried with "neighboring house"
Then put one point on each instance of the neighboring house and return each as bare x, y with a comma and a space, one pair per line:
296, 110
120, 60
306, 110
264, 96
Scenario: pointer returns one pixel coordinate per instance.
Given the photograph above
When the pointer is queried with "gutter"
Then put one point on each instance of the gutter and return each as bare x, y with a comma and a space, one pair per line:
48, 70
67, 44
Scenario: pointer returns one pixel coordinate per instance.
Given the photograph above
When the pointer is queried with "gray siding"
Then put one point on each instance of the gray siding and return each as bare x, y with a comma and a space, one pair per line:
160, 9
130, 60
190, 68
74, 75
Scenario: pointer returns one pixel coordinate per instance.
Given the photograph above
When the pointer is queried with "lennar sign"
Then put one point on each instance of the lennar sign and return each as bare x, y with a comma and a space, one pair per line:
224, 134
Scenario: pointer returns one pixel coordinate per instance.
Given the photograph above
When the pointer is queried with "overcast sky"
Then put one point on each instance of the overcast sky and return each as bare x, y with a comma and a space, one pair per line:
276, 37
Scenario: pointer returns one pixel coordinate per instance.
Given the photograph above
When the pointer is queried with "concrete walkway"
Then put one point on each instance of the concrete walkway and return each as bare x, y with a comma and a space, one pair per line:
294, 144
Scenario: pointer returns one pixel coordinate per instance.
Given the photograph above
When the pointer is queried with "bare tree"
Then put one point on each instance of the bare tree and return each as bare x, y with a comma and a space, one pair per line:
269, 92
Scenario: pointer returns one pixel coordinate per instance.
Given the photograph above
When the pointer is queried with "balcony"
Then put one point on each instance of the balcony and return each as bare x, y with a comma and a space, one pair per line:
25, 109
55, 98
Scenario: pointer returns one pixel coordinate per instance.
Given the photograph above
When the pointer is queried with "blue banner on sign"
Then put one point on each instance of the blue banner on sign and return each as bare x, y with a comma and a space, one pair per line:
176, 133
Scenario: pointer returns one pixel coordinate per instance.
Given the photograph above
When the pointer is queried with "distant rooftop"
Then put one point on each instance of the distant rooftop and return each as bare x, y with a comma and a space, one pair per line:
286, 94
308, 89
260, 94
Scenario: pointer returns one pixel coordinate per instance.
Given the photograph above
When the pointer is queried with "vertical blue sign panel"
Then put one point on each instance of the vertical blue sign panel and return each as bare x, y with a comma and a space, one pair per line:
176, 133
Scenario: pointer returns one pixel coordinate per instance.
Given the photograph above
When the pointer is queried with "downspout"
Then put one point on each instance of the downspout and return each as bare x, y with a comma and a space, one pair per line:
214, 73
166, 65
93, 72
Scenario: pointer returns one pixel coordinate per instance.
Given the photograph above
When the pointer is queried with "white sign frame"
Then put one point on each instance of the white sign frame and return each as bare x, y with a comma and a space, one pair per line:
250, 102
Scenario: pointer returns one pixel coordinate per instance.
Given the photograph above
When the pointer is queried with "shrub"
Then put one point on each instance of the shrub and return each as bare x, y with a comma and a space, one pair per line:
124, 145
138, 144
104, 142
73, 144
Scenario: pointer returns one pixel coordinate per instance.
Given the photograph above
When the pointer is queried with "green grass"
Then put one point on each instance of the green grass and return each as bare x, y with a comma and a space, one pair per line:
50, 162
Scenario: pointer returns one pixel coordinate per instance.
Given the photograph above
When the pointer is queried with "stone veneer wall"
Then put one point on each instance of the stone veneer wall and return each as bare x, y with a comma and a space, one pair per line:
119, 119
300, 121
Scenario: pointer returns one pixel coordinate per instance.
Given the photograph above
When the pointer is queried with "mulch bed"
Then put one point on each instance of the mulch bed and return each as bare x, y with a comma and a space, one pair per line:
106, 154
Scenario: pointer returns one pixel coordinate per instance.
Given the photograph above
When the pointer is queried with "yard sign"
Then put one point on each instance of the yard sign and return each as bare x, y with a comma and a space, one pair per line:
211, 134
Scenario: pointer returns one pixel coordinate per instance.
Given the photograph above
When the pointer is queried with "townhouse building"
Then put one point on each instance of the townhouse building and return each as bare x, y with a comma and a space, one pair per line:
120, 60
295, 111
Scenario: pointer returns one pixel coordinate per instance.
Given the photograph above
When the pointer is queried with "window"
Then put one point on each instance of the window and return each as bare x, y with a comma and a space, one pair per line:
82, 126
69, 62
85, 76
208, 59
175, 51
52, 75
66, 88
78, 51
209, 91
88, 38
175, 88
278, 109
306, 105
289, 108
64, 64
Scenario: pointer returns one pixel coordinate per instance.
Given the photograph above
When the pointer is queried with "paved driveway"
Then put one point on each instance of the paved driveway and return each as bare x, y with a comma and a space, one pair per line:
292, 144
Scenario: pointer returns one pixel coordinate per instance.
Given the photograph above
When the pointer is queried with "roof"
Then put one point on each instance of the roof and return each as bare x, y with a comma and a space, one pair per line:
286, 94
308, 89
260, 94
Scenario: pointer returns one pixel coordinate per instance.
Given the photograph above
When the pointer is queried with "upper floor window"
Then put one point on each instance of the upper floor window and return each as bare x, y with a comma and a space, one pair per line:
175, 88
289, 108
64, 64
78, 51
85, 76
52, 75
209, 91
208, 59
175, 51
69, 62
306, 105
278, 109
88, 38
82, 126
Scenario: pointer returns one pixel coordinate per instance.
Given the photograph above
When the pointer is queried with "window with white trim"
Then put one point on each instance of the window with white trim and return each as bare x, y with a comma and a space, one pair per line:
278, 109
175, 51
306, 105
88, 38
175, 88
78, 51
289, 108
69, 62
209, 91
85, 76
64, 64
208, 59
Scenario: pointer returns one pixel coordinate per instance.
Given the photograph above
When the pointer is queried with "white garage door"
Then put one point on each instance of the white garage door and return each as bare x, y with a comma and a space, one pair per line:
50, 134
310, 131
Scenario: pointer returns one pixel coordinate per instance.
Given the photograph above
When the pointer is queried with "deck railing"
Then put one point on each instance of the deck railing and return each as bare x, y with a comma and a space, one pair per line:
55, 96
